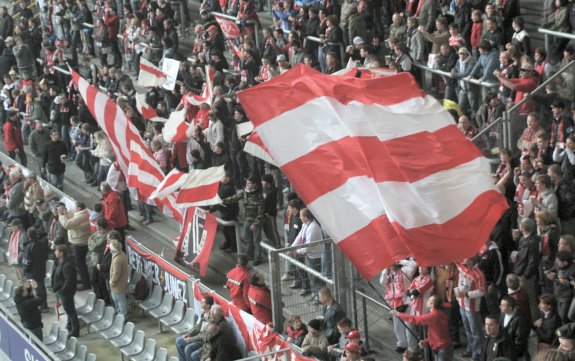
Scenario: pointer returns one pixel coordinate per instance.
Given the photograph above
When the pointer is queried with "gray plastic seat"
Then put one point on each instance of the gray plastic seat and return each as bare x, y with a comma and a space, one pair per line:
49, 270
96, 314
161, 355
82, 353
149, 351
115, 330
173, 358
91, 357
155, 299
135, 277
60, 343
164, 309
52, 336
126, 337
88, 305
135, 347
70, 350
186, 324
2, 281
176, 316
7, 290
10, 301
106, 321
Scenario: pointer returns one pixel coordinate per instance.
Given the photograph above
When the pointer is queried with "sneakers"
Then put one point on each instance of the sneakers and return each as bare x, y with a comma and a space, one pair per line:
286, 277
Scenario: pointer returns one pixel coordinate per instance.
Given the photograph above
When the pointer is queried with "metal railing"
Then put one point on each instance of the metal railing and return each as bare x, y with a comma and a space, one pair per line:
286, 352
447, 74
549, 33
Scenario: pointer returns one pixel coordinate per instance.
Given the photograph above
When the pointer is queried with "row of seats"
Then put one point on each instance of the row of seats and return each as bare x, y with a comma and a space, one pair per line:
173, 315
67, 349
7, 292
121, 334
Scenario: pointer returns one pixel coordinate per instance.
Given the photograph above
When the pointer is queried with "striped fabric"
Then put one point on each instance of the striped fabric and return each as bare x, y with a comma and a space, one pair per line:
150, 75
380, 164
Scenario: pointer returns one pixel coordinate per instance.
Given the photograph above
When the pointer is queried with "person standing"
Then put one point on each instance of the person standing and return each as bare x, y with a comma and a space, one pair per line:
514, 323
526, 261
96, 246
34, 263
270, 194
114, 211
53, 163
260, 299
13, 138
238, 284
437, 328
228, 213
37, 140
119, 273
496, 343
64, 285
27, 304
77, 224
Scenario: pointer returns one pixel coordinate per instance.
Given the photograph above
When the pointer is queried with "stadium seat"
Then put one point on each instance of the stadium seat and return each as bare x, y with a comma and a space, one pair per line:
96, 314
10, 301
135, 347
164, 309
52, 336
148, 353
186, 324
173, 358
106, 321
174, 317
7, 290
49, 270
161, 355
82, 354
155, 300
2, 281
115, 330
125, 338
88, 305
91, 357
135, 277
69, 351
60, 343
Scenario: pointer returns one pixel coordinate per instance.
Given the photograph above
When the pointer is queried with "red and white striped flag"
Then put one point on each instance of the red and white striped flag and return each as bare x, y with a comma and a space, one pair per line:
171, 184
150, 75
207, 93
176, 129
146, 110
366, 73
254, 145
200, 188
229, 28
380, 164
122, 135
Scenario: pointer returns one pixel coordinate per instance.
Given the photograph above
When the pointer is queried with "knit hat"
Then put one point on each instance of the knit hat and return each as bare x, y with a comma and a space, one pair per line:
315, 324
358, 40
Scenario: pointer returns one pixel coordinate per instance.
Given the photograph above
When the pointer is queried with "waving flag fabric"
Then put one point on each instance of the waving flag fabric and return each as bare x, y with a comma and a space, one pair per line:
124, 137
147, 111
176, 128
380, 164
229, 28
254, 145
150, 75
207, 93
199, 187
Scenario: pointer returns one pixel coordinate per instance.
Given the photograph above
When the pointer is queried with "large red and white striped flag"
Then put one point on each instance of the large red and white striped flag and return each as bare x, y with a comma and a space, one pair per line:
380, 164
123, 136
146, 110
176, 129
150, 75
254, 145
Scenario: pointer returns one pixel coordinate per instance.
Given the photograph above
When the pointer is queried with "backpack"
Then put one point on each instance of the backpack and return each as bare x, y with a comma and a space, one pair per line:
142, 290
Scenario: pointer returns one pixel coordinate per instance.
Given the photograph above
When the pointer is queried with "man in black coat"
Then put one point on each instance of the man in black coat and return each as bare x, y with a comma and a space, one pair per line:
64, 285
332, 314
54, 159
223, 347
27, 304
34, 262
496, 343
228, 213
515, 325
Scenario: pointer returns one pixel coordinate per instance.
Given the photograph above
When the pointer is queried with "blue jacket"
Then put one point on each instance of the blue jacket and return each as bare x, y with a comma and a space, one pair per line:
488, 63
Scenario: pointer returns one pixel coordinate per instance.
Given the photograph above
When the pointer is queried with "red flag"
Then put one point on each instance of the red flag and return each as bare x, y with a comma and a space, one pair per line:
392, 175
197, 239
147, 111
199, 187
123, 137
150, 75
176, 128
229, 28
207, 93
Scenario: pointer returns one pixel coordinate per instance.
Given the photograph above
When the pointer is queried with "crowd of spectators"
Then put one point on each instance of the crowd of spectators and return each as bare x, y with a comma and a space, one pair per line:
521, 281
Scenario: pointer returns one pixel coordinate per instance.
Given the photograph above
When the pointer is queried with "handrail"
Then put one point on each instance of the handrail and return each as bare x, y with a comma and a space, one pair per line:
444, 73
229, 17
367, 297
559, 34
271, 353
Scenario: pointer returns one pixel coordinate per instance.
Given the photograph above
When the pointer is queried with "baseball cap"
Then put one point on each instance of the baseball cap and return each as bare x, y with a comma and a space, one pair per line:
358, 40
353, 347
352, 335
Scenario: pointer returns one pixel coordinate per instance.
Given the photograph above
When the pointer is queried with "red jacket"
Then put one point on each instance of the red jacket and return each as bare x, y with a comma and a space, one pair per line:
260, 300
113, 24
12, 137
238, 285
114, 210
437, 328
476, 30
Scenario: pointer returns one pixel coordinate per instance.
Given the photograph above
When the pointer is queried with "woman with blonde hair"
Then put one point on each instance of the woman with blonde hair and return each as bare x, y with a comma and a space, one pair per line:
105, 155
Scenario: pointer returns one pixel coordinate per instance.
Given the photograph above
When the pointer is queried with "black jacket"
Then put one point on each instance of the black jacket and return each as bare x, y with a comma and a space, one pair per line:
528, 255
270, 200
105, 264
500, 346
224, 348
64, 277
230, 211
35, 257
546, 333
52, 152
29, 312
518, 331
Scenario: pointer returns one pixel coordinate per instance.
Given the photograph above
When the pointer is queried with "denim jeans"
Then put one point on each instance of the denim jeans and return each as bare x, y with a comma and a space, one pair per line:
120, 303
253, 239
57, 180
473, 331
444, 354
